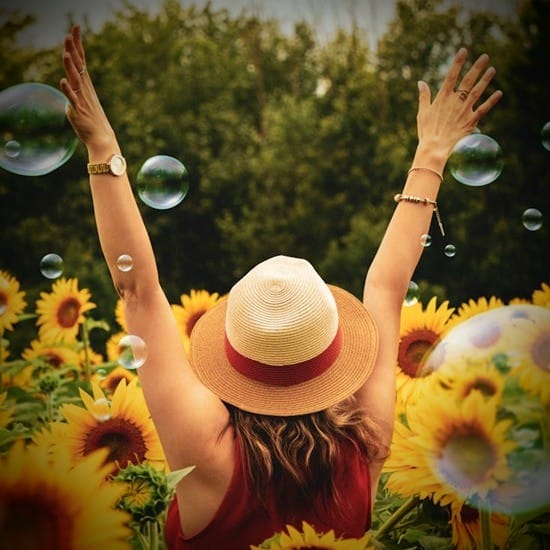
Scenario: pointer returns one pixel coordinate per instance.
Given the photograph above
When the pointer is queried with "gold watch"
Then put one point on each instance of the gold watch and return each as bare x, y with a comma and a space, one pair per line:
116, 166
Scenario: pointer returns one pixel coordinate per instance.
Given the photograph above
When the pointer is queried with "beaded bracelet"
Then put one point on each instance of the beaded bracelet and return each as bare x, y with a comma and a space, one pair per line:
411, 198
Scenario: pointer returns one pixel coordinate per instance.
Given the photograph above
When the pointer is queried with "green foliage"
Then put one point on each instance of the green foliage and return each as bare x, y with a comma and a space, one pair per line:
293, 146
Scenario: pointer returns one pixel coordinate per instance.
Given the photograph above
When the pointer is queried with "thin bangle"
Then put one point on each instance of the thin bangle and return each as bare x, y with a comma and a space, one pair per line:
440, 176
423, 200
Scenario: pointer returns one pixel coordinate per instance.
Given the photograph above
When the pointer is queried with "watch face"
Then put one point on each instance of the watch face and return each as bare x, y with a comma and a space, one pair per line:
117, 165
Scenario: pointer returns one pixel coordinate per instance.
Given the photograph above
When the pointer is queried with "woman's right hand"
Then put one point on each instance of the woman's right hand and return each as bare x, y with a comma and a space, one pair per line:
453, 113
84, 112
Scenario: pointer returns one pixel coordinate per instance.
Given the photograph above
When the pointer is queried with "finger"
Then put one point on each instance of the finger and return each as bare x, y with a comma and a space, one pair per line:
448, 85
71, 49
424, 95
70, 93
77, 38
470, 78
481, 86
488, 104
74, 81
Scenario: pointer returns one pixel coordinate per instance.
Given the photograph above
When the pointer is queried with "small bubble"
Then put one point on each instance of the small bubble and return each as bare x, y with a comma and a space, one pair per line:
412, 294
426, 240
132, 351
101, 373
12, 149
125, 262
450, 250
476, 160
102, 409
532, 219
35, 134
545, 136
162, 182
51, 266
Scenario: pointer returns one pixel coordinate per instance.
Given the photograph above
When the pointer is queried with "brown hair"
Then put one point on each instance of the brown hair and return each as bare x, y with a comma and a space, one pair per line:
299, 452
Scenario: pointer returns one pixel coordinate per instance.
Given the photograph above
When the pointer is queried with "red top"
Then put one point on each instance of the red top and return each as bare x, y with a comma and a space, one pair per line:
241, 520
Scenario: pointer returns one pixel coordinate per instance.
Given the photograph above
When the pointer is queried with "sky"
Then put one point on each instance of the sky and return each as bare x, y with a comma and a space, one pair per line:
371, 16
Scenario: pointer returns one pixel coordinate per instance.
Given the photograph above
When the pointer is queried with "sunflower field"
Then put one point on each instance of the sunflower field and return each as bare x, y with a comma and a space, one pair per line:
469, 467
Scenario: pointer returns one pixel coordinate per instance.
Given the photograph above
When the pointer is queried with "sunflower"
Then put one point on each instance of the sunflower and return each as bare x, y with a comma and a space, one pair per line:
450, 450
541, 297
54, 354
45, 502
6, 411
466, 527
419, 331
533, 370
472, 308
123, 425
308, 538
112, 347
109, 382
193, 306
62, 311
463, 379
119, 315
12, 301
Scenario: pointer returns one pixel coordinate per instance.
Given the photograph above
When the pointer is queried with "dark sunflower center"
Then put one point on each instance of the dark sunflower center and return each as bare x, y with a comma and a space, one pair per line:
192, 320
53, 359
123, 439
466, 458
484, 333
3, 302
35, 522
413, 348
540, 351
484, 385
68, 313
468, 514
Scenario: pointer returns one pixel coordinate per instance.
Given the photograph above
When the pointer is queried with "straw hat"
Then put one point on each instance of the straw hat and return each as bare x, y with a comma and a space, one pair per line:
284, 342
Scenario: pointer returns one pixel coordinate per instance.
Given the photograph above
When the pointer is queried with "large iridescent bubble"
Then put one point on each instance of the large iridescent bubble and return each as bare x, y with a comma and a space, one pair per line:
476, 160
35, 134
510, 347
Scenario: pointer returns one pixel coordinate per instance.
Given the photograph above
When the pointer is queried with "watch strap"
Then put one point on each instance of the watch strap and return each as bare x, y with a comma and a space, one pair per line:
99, 168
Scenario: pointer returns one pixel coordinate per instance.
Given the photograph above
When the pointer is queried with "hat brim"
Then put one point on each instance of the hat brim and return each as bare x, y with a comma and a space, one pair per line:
345, 376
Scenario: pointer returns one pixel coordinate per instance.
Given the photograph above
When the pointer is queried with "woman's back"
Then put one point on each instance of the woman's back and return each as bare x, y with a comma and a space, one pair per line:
243, 519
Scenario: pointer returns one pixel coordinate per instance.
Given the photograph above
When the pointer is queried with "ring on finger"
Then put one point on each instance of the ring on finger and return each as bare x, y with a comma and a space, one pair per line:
77, 90
463, 93
82, 71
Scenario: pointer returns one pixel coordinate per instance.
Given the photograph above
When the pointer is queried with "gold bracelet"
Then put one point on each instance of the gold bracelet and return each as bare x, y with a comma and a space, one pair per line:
440, 176
411, 198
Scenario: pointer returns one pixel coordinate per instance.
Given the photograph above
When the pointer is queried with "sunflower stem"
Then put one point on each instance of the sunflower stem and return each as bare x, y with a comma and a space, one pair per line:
397, 516
485, 520
86, 342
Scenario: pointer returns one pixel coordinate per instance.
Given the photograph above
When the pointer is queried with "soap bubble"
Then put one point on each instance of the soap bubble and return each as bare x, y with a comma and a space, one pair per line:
476, 160
449, 250
545, 136
125, 262
35, 134
132, 351
412, 294
162, 182
504, 353
102, 409
425, 240
51, 266
532, 219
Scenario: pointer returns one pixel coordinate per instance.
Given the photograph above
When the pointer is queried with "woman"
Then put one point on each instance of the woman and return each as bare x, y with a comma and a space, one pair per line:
286, 406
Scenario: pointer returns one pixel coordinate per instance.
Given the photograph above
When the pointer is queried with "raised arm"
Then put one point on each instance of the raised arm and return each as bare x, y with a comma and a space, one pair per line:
188, 417
453, 113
